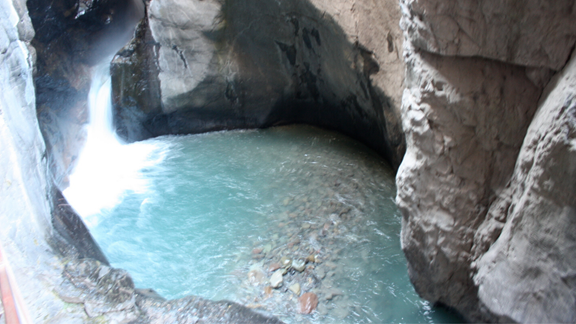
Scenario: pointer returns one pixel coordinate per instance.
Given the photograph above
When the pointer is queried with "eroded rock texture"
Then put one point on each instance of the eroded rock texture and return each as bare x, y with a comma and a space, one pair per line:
464, 121
537, 33
246, 64
489, 207
534, 257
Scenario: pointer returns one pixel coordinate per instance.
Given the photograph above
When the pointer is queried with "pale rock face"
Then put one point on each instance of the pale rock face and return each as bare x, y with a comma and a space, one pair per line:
534, 257
488, 203
185, 53
374, 24
537, 33
464, 120
25, 223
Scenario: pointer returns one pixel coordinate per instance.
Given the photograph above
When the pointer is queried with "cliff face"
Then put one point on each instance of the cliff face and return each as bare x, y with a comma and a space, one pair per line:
237, 64
25, 210
487, 186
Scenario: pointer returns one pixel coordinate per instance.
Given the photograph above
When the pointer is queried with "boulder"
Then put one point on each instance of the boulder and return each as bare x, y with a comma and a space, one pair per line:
486, 187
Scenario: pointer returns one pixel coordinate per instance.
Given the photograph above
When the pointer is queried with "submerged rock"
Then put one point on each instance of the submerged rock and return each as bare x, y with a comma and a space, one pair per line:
308, 302
256, 277
299, 265
286, 262
295, 288
276, 279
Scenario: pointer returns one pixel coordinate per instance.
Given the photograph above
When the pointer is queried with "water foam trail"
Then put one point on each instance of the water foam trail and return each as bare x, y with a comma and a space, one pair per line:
106, 168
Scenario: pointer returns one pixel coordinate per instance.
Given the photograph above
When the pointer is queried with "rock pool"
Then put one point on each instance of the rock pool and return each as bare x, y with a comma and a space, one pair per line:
217, 214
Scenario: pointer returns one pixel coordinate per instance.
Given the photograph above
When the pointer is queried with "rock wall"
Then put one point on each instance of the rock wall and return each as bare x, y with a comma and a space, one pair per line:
481, 231
534, 256
245, 64
25, 209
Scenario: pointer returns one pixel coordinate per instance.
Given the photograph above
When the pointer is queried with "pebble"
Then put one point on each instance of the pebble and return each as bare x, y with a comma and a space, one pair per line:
299, 265
276, 279
295, 288
308, 302
285, 262
255, 277
274, 266
330, 293
305, 226
320, 273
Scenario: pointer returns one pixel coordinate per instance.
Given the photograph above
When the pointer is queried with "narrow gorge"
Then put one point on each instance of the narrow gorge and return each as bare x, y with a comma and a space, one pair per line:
472, 104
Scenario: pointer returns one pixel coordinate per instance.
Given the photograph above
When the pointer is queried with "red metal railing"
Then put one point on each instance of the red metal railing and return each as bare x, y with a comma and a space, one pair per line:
14, 307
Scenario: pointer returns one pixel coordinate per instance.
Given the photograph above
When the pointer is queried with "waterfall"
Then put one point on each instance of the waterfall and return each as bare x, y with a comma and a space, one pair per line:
106, 168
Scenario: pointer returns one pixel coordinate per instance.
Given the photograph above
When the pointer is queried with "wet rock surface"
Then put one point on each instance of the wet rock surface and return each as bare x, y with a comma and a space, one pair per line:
108, 294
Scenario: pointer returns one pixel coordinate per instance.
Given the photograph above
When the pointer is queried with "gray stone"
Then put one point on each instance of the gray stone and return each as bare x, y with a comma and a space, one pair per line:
487, 202
532, 222
535, 33
465, 120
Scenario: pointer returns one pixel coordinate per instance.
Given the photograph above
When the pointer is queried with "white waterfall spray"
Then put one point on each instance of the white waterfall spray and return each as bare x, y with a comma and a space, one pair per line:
106, 168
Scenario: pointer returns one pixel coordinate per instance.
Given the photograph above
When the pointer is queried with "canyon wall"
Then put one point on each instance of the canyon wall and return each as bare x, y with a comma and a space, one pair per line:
27, 235
198, 66
487, 184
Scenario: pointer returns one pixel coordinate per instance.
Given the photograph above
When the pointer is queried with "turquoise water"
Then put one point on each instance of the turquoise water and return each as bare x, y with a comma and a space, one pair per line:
209, 214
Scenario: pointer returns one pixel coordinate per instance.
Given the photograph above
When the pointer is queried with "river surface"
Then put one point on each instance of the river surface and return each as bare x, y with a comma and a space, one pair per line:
213, 214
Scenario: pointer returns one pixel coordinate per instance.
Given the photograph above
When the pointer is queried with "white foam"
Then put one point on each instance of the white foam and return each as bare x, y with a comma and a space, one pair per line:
107, 168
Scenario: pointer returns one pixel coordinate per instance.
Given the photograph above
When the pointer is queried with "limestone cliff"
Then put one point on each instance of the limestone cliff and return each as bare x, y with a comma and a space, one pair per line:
489, 207
244, 64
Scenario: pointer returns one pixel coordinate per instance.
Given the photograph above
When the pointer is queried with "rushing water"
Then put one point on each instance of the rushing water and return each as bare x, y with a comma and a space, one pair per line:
209, 215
